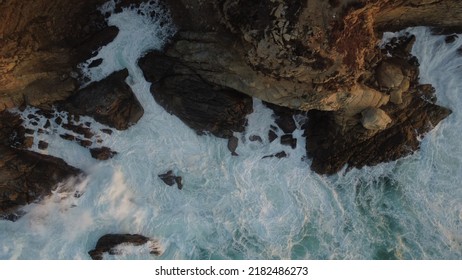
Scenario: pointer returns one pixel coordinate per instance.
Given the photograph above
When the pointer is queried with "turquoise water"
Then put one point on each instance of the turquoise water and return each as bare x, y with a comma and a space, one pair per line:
246, 207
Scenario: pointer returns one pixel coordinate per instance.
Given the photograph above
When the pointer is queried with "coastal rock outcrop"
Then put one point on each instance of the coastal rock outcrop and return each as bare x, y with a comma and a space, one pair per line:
317, 56
203, 106
41, 43
377, 134
108, 243
26, 177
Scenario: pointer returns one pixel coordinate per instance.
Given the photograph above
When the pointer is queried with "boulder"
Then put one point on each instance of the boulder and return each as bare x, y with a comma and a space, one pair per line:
232, 145
284, 117
389, 75
109, 101
203, 106
103, 153
171, 179
375, 119
108, 242
289, 140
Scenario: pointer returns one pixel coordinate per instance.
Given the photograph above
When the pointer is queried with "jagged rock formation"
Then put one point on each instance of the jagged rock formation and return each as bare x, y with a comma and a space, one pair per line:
109, 101
303, 54
309, 55
171, 179
40, 44
203, 106
25, 176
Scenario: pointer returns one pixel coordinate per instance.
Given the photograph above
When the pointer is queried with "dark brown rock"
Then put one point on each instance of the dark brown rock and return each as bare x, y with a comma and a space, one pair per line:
79, 129
232, 145
171, 179
168, 178
331, 149
179, 182
67, 136
84, 143
377, 135
451, 38
272, 136
203, 106
41, 42
26, 177
91, 45
109, 101
42, 145
108, 242
289, 140
281, 154
103, 153
284, 117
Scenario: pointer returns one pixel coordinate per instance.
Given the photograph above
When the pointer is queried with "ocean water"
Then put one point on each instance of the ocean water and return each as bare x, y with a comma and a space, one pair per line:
244, 207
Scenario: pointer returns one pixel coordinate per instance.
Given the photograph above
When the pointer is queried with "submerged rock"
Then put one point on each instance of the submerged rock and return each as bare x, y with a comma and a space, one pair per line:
109, 101
281, 154
255, 138
108, 242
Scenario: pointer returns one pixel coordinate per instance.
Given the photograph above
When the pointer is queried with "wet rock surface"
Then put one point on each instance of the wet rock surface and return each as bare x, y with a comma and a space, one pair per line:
109, 101
26, 177
171, 179
203, 106
108, 242
40, 44
103, 153
331, 149
377, 134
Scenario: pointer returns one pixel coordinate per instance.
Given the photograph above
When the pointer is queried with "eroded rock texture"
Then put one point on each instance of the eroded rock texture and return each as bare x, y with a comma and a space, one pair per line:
109, 101
26, 177
309, 55
319, 56
203, 106
40, 44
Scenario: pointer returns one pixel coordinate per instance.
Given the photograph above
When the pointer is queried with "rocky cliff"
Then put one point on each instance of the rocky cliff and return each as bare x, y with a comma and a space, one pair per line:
313, 56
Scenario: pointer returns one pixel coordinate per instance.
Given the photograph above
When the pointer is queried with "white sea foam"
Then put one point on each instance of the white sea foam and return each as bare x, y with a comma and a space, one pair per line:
246, 206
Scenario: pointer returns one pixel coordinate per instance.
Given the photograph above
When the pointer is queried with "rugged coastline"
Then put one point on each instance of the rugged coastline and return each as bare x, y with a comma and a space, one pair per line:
363, 106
